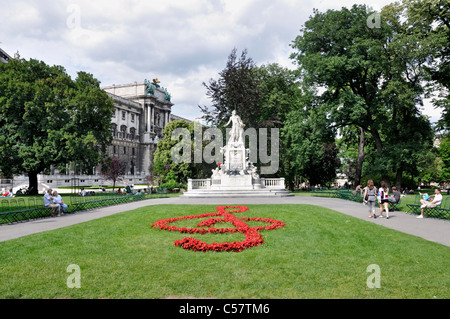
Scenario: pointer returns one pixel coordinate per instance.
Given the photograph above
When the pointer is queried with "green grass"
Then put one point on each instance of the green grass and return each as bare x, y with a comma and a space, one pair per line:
319, 254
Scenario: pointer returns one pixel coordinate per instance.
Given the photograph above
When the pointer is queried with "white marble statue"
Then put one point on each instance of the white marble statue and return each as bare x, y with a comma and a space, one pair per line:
237, 129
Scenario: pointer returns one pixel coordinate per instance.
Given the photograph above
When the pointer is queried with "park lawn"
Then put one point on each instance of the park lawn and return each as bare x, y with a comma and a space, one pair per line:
320, 253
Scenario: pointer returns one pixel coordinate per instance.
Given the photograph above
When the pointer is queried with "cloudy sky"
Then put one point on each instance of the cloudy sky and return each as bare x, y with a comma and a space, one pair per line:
183, 43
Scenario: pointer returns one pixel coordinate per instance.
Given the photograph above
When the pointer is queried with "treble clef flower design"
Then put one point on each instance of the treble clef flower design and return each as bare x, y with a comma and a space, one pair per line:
223, 214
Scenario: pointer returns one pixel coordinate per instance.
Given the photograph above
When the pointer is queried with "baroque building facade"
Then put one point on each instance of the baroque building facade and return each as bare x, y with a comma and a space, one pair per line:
141, 111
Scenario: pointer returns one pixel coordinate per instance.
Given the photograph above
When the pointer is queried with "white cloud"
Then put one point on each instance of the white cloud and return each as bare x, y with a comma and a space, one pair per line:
183, 43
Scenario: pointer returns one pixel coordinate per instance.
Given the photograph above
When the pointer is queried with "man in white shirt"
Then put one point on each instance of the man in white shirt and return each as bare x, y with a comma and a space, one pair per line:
436, 202
57, 199
48, 202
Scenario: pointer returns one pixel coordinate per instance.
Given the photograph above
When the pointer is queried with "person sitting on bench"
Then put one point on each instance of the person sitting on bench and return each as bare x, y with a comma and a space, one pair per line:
57, 199
48, 202
427, 204
395, 198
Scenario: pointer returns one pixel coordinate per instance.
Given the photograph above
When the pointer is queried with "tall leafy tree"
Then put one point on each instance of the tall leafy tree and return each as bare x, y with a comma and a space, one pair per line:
312, 152
429, 21
163, 157
262, 95
175, 155
369, 75
444, 152
46, 119
237, 88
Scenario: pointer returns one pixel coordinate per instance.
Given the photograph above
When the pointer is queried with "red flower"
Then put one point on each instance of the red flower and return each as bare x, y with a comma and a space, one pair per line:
252, 236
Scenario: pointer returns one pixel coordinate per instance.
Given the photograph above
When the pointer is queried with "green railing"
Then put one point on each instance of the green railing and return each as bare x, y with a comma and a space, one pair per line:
22, 208
411, 205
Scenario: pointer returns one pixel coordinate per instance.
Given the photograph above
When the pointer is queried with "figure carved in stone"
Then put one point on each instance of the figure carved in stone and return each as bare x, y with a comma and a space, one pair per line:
237, 128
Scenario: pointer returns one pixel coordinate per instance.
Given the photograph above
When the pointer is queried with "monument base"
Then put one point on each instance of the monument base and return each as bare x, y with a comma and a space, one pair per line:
208, 193
236, 186
237, 176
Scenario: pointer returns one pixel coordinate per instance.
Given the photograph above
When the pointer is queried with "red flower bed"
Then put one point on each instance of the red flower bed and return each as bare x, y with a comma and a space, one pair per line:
224, 214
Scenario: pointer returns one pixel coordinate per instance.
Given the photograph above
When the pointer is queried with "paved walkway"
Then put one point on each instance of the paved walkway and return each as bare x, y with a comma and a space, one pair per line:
428, 228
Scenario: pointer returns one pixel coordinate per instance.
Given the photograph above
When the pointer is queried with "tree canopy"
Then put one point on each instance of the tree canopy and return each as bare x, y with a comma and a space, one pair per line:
46, 119
372, 78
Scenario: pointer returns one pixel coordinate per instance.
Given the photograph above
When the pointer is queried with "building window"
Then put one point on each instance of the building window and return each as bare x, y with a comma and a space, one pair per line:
124, 115
123, 129
114, 129
124, 150
114, 150
133, 151
132, 118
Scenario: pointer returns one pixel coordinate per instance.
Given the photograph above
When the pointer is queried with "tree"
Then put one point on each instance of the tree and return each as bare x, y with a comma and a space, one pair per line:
174, 157
236, 89
312, 152
261, 95
444, 152
370, 75
429, 20
46, 119
112, 169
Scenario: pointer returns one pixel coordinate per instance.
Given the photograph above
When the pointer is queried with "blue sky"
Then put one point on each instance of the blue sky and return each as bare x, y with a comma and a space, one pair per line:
182, 43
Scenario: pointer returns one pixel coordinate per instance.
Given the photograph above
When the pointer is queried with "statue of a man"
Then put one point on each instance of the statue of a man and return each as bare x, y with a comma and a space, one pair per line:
237, 128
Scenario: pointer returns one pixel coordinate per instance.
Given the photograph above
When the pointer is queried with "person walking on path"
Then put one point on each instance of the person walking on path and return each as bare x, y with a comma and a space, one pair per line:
383, 199
369, 197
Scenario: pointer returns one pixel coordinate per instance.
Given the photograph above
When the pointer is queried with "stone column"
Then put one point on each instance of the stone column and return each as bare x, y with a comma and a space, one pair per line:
152, 118
149, 112
167, 117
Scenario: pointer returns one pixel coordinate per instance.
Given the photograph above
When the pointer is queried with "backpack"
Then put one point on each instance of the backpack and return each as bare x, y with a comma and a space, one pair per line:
371, 194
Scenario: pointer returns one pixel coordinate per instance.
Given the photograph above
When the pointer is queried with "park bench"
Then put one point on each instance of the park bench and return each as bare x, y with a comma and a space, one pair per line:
395, 206
441, 211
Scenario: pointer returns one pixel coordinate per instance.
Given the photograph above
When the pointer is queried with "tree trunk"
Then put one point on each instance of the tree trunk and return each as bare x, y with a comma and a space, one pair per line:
398, 178
33, 183
379, 146
360, 159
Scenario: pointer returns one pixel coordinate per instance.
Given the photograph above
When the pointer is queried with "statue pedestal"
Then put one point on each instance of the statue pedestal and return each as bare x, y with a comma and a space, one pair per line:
236, 177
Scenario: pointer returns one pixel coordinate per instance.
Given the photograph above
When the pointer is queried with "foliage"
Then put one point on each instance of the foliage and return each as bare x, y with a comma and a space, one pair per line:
444, 152
163, 163
172, 184
46, 118
112, 169
185, 166
262, 95
372, 79
429, 21
236, 89
312, 152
